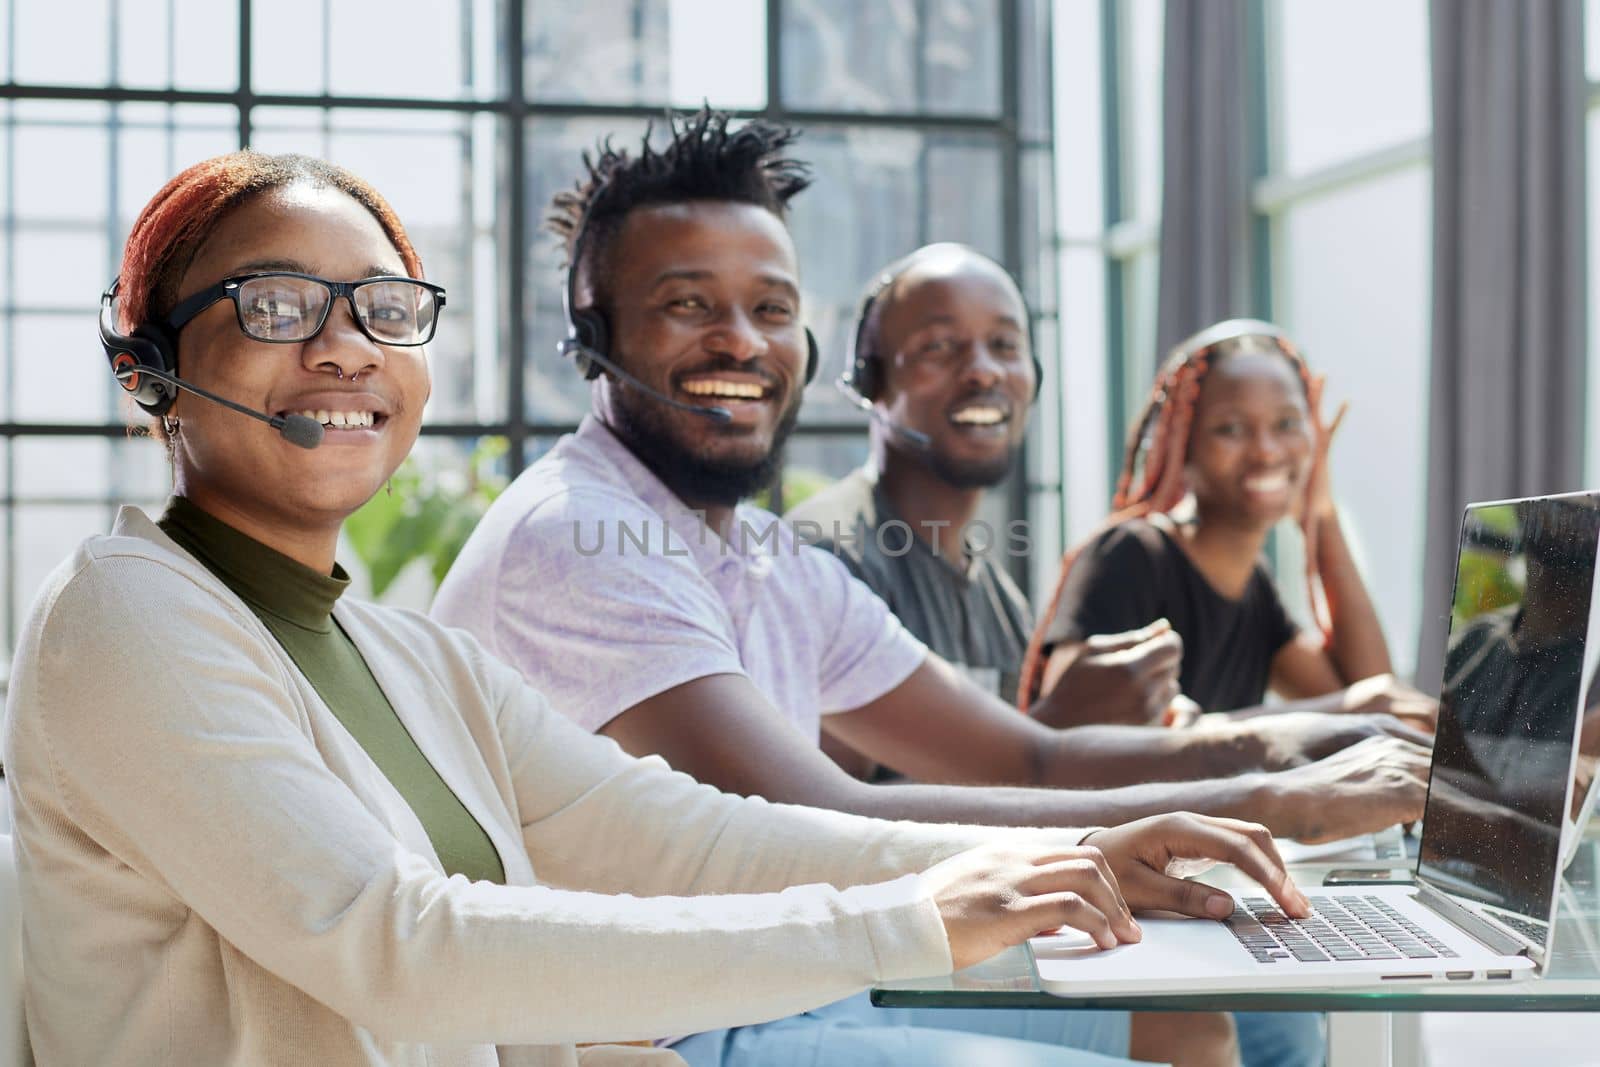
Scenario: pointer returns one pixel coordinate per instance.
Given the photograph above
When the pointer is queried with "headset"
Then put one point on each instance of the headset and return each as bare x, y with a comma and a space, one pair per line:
588, 340
145, 364
150, 348
863, 373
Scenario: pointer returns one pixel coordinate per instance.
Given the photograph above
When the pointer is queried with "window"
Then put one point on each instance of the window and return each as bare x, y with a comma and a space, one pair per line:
925, 120
1347, 201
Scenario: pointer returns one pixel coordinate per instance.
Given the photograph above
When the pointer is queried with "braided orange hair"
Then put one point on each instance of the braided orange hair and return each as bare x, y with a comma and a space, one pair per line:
1155, 456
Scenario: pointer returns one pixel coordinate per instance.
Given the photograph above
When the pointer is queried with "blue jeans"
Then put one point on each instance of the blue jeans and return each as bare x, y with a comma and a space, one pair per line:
1281, 1039
852, 1033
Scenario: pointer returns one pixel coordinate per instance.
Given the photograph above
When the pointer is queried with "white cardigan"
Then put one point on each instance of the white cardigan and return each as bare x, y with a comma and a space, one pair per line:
213, 872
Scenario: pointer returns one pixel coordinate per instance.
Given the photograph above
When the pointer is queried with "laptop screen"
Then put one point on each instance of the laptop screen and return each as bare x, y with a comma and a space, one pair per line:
1518, 656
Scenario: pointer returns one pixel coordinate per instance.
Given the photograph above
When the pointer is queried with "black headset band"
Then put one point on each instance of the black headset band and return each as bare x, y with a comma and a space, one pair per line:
864, 367
588, 328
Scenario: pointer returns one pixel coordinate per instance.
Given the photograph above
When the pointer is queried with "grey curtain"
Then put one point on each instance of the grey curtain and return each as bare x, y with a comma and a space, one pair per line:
1506, 399
1205, 193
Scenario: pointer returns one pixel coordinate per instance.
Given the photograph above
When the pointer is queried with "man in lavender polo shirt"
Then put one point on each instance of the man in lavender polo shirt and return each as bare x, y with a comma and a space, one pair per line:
623, 575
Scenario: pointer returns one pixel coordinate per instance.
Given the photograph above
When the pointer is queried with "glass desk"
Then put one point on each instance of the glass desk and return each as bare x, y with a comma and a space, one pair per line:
1362, 1027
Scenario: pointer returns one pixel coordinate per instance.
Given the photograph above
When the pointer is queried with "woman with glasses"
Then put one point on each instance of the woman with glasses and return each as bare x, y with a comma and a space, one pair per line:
257, 822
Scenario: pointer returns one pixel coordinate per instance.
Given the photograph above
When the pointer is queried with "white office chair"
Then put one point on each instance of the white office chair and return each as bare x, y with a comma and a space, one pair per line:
14, 1051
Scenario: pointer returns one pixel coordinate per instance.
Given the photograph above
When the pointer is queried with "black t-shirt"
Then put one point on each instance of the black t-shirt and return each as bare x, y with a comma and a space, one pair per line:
976, 619
1136, 572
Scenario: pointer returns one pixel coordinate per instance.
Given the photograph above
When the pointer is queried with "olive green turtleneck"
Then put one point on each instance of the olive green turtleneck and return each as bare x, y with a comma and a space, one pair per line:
296, 603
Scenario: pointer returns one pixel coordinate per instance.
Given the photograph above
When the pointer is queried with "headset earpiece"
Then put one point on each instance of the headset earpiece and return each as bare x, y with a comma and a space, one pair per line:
587, 331
149, 346
812, 358
861, 375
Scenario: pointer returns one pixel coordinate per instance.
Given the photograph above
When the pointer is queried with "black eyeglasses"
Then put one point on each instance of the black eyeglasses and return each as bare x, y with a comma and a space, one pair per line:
282, 307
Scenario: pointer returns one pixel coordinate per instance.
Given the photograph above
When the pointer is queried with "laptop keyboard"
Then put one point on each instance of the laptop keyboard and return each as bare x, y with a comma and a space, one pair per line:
1349, 928
1531, 929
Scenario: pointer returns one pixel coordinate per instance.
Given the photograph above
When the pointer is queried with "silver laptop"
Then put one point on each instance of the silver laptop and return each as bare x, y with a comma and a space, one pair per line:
1522, 637
1586, 774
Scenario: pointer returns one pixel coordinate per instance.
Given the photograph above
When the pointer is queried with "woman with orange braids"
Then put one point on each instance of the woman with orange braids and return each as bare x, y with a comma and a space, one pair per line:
1233, 434
257, 822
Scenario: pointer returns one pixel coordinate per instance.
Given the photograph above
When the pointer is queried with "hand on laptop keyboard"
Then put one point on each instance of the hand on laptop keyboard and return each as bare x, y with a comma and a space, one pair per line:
1142, 853
1370, 786
1342, 929
996, 896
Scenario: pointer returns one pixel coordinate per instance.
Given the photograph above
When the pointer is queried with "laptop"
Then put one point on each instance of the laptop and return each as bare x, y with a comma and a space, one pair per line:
1381, 846
1586, 784
1522, 636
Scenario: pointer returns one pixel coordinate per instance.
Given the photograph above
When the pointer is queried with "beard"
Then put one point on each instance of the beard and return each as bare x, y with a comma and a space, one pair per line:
972, 474
646, 424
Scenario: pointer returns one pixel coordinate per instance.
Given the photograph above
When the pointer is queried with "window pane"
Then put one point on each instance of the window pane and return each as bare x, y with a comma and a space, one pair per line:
178, 44
1321, 113
912, 55
1353, 291
554, 391
1591, 38
108, 470
1141, 278
153, 142
1045, 454
44, 55
121, 153
1139, 71
1034, 77
439, 172
1038, 229
647, 52
435, 49
62, 237
878, 195
1076, 71
57, 268
1081, 410
146, 44
59, 371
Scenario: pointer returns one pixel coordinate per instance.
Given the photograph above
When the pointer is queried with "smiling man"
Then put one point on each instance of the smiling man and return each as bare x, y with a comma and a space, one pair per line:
623, 574
943, 358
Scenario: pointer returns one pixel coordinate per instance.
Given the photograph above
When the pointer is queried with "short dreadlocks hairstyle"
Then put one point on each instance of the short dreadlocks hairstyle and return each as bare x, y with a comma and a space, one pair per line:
704, 160
1152, 478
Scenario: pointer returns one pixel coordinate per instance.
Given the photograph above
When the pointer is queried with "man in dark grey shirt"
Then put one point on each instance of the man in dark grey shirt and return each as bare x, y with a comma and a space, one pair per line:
970, 612
941, 355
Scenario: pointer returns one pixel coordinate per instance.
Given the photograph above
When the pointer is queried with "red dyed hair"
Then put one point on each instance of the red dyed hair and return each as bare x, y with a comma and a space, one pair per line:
1155, 456
179, 218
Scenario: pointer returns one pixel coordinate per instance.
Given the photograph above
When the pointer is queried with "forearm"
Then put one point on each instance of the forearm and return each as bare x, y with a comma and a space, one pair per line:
1105, 756
1325, 704
1357, 648
652, 831
1240, 797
